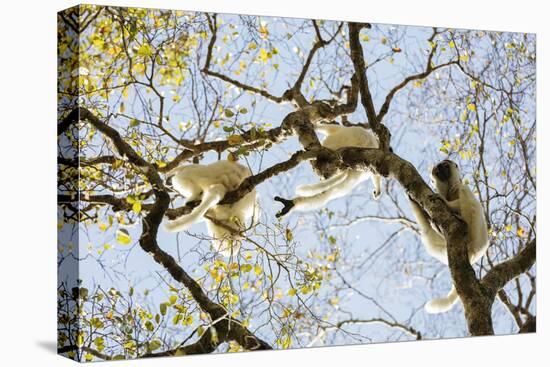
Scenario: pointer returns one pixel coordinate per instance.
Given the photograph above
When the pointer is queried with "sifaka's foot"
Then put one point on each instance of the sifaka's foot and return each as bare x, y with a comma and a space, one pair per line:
288, 205
376, 194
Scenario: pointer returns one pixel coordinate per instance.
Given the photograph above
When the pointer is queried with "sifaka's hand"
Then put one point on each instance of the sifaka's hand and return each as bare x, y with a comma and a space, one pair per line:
288, 205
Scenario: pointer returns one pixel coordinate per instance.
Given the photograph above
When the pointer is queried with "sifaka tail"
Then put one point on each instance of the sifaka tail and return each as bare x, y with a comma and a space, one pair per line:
323, 185
440, 305
210, 198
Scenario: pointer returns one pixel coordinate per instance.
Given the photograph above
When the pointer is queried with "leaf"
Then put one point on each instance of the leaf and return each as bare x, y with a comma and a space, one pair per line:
452, 44
149, 325
258, 269
136, 207
288, 234
264, 55
246, 268
292, 292
145, 50
471, 106
177, 318
123, 237
138, 68
155, 344
129, 344
88, 357
229, 113
235, 140
521, 232
173, 299
188, 320
163, 307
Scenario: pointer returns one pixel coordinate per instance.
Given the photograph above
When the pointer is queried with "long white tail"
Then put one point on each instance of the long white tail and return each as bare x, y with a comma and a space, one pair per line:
210, 198
440, 305
316, 188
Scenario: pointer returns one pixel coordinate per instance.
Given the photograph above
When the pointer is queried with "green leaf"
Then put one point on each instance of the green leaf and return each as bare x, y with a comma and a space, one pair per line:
163, 308
155, 344
229, 113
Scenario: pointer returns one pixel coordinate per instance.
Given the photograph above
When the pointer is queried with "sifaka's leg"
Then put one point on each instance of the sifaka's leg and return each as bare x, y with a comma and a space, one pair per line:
210, 197
434, 242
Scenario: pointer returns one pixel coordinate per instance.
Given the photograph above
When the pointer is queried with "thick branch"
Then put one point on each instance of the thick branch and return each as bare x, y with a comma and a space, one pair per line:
358, 60
506, 271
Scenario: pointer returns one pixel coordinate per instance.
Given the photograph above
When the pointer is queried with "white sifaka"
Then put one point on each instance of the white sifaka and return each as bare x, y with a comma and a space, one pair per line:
317, 195
209, 184
461, 200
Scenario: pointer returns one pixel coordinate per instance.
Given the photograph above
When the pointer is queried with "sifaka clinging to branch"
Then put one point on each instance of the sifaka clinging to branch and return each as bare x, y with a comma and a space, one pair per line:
208, 184
461, 200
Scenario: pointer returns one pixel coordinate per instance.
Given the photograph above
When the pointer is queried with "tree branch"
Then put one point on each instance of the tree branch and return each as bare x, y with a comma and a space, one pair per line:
358, 60
506, 271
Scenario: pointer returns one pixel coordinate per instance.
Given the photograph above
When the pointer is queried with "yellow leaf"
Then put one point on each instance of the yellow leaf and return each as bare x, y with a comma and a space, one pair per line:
471, 106
136, 207
123, 237
138, 68
264, 55
452, 44
521, 232
145, 50
291, 292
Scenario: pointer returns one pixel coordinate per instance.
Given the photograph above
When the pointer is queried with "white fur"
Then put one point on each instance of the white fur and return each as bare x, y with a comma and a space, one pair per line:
317, 195
210, 183
469, 208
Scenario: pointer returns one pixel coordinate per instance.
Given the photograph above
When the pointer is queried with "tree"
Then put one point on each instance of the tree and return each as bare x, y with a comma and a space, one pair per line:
143, 91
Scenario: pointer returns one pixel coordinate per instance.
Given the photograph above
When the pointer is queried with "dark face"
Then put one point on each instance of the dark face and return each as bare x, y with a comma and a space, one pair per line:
443, 170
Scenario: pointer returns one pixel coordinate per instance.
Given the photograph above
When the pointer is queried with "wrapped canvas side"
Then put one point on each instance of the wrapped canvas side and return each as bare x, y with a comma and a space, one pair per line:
70, 337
